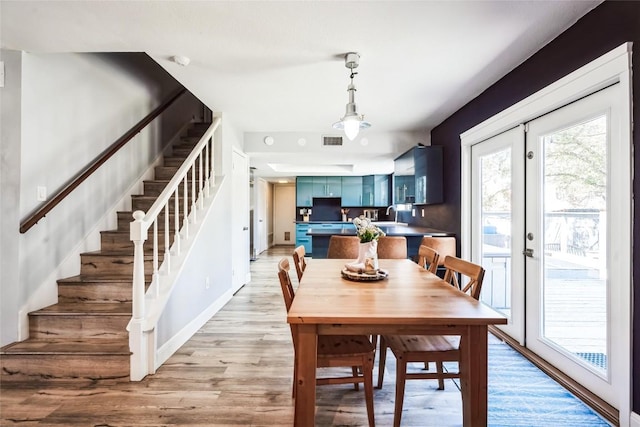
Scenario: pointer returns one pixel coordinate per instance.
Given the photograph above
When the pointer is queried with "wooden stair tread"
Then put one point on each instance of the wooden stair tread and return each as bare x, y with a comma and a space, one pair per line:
101, 309
59, 346
80, 280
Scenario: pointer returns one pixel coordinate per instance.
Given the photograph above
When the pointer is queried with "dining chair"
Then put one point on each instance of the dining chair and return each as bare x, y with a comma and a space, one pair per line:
354, 351
392, 247
343, 247
429, 348
299, 260
445, 246
428, 258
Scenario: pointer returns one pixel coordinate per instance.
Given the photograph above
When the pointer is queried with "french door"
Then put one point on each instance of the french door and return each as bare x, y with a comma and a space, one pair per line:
574, 275
549, 224
497, 226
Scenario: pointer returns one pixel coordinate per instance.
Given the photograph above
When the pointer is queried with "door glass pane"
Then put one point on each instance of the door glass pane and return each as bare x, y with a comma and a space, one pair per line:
575, 246
495, 175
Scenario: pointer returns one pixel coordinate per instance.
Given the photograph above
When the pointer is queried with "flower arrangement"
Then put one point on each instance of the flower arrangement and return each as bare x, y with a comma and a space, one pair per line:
366, 231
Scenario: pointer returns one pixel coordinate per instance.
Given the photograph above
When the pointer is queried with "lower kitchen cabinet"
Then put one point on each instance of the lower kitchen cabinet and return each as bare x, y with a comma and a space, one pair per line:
302, 238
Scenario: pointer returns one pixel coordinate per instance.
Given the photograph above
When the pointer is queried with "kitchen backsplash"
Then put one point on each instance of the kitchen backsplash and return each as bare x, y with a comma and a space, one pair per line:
329, 209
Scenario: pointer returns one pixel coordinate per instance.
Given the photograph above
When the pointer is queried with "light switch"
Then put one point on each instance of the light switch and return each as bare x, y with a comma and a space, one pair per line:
41, 195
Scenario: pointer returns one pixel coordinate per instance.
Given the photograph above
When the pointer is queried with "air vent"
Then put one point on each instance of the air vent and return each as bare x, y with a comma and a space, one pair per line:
332, 140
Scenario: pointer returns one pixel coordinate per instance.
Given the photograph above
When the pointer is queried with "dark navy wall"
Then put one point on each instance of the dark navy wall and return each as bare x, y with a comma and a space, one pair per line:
601, 30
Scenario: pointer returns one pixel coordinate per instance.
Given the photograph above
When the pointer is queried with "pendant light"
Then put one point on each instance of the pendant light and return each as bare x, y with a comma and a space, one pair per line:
352, 122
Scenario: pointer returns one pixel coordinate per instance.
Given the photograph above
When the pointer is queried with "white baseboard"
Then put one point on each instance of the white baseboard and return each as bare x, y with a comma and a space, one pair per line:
179, 339
634, 420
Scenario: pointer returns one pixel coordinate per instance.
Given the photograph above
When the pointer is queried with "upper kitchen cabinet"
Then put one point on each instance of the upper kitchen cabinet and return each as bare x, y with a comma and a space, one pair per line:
352, 191
327, 186
404, 178
308, 187
375, 190
304, 191
418, 176
428, 168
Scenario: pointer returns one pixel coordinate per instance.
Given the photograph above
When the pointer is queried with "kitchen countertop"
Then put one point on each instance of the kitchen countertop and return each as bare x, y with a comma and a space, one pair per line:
393, 230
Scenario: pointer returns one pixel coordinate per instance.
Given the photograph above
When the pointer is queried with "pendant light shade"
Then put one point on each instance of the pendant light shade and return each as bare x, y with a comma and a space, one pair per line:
352, 122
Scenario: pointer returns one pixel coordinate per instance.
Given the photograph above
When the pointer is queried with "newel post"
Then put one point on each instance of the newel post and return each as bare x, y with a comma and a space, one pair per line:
137, 337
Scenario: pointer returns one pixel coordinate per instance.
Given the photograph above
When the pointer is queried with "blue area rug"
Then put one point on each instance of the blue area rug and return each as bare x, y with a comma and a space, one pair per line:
520, 394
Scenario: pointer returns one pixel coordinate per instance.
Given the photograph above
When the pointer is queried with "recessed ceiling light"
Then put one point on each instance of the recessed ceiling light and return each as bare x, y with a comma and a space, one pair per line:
364, 141
268, 140
302, 142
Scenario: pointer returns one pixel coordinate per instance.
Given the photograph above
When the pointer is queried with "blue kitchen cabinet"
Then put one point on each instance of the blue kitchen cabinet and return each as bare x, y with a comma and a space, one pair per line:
302, 238
327, 186
304, 191
352, 191
428, 168
375, 190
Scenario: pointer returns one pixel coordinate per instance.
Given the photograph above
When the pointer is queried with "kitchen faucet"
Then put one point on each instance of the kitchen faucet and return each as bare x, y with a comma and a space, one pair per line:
395, 210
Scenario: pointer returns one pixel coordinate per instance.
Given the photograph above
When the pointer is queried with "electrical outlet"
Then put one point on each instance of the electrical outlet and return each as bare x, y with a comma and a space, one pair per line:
422, 213
41, 194
413, 212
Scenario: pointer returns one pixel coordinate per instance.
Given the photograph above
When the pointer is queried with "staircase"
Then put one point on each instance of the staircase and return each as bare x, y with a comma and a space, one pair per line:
84, 336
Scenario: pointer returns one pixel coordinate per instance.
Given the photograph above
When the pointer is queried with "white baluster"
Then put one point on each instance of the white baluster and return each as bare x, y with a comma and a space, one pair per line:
155, 279
213, 172
167, 233
207, 191
193, 192
176, 220
185, 222
200, 183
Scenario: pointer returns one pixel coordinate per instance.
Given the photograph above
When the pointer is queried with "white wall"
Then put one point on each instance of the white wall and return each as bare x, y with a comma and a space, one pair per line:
10, 106
70, 108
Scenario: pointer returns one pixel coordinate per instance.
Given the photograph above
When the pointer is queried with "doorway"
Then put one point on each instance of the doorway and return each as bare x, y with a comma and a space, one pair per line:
547, 211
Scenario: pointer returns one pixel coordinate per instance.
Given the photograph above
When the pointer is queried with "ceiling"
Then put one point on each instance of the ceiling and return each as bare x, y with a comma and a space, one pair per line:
276, 68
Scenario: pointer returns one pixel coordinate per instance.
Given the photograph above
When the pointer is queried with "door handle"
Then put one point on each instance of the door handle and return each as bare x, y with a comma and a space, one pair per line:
528, 252
245, 228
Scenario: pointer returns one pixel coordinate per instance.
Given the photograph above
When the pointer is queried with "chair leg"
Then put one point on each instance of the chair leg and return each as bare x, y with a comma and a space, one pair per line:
401, 376
367, 368
295, 378
354, 370
440, 372
382, 360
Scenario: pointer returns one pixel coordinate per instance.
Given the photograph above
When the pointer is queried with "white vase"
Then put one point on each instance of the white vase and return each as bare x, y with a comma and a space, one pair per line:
368, 255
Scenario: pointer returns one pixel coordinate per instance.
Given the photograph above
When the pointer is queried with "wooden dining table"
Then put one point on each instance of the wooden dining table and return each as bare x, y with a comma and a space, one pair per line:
410, 300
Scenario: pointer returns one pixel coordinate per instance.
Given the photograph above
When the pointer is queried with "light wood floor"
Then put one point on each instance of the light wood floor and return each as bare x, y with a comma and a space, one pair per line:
237, 370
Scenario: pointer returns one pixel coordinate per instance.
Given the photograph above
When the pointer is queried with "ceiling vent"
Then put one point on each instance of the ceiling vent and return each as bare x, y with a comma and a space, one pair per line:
332, 140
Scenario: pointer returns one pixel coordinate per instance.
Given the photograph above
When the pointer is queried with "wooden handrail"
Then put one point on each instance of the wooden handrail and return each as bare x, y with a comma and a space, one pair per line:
97, 162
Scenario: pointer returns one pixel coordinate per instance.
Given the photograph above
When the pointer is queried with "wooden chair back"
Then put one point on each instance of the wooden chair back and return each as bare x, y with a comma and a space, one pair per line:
428, 258
474, 272
287, 292
392, 247
299, 261
343, 247
443, 245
